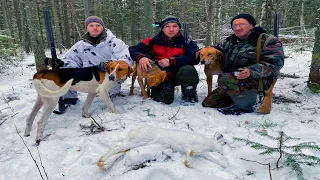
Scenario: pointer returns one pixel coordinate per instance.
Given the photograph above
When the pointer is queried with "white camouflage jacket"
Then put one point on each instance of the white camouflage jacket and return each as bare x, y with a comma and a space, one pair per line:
84, 54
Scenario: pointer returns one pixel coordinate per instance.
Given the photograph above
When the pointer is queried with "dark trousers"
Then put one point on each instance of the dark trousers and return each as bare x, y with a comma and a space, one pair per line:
185, 76
242, 93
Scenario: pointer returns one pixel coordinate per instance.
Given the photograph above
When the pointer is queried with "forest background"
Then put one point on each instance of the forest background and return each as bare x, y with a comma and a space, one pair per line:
22, 23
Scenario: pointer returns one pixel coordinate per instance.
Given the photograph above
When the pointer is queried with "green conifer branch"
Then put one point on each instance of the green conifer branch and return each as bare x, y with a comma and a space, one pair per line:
292, 154
265, 134
305, 145
270, 151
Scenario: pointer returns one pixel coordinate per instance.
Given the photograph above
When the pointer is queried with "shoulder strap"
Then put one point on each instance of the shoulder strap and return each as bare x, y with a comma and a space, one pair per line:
258, 53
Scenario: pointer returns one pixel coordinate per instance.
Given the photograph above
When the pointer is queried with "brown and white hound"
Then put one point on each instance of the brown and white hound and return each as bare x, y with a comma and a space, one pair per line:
51, 84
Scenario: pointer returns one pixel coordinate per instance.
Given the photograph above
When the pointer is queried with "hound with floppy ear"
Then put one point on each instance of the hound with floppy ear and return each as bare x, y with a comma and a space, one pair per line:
213, 63
183, 141
51, 84
153, 77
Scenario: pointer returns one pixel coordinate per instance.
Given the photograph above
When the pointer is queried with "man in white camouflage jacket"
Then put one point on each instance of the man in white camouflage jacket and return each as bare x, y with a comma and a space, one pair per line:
96, 45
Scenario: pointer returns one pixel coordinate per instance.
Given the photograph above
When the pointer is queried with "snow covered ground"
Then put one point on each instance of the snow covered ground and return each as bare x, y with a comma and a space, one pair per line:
71, 151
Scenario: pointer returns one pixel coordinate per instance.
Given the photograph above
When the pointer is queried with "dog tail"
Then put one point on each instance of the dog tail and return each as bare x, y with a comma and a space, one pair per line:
44, 91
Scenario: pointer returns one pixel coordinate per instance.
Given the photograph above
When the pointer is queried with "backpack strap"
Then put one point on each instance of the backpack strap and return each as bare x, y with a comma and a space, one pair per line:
258, 53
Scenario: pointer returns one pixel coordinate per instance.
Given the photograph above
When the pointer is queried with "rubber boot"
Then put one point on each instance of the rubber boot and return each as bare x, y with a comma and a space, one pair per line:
189, 93
61, 106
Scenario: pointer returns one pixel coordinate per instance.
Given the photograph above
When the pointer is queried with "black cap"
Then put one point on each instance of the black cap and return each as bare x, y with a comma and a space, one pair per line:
248, 17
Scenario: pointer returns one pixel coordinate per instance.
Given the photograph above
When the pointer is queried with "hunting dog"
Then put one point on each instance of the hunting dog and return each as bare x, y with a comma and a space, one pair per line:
183, 141
151, 78
214, 65
51, 84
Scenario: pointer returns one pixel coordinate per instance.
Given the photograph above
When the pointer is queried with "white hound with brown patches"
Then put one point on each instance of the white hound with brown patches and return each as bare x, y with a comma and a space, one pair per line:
51, 84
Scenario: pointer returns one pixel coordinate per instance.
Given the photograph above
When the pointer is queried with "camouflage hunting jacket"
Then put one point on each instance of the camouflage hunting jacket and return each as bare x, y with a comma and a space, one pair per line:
242, 54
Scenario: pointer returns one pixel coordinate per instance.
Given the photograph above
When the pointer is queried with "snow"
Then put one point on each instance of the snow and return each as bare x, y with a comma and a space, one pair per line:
70, 151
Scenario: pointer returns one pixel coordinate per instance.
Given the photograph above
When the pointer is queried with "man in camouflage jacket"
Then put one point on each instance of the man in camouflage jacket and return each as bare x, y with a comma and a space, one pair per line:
238, 85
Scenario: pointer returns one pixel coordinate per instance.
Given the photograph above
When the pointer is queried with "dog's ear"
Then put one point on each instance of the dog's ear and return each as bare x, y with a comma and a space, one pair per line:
130, 70
163, 75
108, 67
198, 53
219, 55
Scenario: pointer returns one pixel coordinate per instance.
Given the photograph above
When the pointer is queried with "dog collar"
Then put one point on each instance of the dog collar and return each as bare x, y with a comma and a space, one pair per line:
103, 65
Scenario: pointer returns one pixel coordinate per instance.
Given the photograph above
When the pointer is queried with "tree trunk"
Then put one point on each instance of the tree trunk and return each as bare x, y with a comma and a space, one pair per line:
266, 16
154, 10
217, 20
302, 24
7, 19
285, 13
26, 39
36, 39
263, 14
76, 29
56, 23
269, 15
314, 76
17, 14
209, 23
66, 25
86, 8
138, 21
243, 3
133, 22
146, 21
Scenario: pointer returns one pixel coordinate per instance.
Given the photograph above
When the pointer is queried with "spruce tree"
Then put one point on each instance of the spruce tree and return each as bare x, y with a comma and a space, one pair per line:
291, 155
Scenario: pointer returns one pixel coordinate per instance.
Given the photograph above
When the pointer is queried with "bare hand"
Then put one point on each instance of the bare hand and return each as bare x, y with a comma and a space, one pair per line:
164, 63
145, 63
244, 73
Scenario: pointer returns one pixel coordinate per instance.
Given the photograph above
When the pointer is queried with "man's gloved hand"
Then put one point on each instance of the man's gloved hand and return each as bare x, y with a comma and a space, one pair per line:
57, 63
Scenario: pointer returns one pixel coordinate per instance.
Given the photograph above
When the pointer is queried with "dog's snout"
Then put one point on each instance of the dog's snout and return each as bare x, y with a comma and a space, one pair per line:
111, 77
202, 61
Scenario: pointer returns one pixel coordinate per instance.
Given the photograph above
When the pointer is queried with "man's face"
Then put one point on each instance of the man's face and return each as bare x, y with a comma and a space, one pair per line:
171, 29
242, 28
94, 29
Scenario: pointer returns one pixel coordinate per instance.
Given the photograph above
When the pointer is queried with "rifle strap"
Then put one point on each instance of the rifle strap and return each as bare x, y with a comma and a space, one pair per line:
258, 53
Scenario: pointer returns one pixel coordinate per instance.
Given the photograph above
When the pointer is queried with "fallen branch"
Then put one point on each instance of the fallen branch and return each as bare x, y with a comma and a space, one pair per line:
7, 102
269, 167
174, 116
35, 162
99, 126
188, 126
42, 164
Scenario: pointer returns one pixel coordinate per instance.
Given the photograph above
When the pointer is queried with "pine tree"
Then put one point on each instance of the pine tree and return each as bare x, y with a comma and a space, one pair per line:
291, 155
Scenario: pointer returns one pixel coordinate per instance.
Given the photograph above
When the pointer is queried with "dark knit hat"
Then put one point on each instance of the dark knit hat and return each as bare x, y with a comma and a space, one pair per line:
248, 17
170, 19
96, 19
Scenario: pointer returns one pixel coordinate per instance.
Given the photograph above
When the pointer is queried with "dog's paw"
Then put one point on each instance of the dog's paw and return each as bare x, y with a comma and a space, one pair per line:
219, 137
26, 134
100, 164
186, 163
86, 114
114, 110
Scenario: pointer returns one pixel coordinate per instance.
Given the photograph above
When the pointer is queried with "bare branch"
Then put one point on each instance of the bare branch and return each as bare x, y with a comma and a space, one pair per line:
35, 162
269, 167
42, 164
